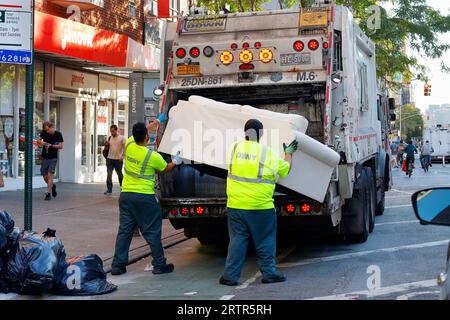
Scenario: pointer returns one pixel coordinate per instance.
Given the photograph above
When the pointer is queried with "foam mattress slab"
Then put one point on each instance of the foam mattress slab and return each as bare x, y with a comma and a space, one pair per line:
203, 130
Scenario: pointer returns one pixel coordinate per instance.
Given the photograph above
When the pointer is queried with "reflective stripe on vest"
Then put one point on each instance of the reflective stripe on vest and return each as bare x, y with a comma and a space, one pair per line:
259, 179
144, 165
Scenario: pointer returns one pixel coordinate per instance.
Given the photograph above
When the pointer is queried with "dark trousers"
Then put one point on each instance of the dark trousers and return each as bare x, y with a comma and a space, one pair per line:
261, 225
144, 211
112, 165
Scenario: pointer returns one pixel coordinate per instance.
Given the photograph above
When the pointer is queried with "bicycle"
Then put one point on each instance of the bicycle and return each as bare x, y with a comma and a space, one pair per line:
426, 163
409, 167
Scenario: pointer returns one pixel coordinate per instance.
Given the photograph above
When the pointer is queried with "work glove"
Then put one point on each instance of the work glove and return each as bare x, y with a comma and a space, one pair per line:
162, 118
291, 148
176, 159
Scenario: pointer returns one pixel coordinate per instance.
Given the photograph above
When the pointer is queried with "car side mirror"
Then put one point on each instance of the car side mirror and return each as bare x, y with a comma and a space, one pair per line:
432, 206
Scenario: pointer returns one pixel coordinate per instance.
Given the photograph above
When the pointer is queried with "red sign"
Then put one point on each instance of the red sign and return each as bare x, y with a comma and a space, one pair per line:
72, 39
163, 9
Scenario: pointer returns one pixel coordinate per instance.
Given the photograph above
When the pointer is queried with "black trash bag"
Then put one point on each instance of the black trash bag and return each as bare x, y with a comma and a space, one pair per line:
31, 267
84, 276
7, 221
49, 237
3, 239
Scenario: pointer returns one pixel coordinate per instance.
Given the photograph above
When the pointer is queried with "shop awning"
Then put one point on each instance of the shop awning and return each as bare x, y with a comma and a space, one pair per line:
89, 46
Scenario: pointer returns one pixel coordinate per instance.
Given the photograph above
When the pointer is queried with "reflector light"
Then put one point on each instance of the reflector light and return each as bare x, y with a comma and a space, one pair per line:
265, 55
257, 45
194, 52
306, 208
325, 45
313, 45
245, 45
317, 208
199, 210
208, 51
180, 53
290, 208
226, 58
246, 56
299, 46
184, 211
173, 212
234, 46
246, 66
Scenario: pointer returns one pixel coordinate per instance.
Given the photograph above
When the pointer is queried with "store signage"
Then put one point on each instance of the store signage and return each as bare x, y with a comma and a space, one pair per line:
107, 86
16, 43
75, 81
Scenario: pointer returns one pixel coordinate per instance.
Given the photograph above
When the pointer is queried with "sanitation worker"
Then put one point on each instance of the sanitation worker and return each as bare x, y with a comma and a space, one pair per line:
252, 174
137, 203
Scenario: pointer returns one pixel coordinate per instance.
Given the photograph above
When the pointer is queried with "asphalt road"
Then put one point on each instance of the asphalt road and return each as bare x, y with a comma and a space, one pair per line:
401, 260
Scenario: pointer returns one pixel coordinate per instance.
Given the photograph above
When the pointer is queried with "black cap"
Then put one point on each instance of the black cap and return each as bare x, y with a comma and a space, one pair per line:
253, 129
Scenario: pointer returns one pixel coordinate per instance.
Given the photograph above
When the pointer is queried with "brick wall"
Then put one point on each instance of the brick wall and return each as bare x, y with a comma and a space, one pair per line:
114, 16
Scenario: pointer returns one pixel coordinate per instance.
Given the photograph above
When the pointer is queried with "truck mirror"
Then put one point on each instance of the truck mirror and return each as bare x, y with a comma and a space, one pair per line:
391, 103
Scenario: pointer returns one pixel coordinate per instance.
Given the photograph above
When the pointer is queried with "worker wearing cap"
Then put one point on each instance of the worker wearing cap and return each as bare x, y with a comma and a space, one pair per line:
138, 203
252, 173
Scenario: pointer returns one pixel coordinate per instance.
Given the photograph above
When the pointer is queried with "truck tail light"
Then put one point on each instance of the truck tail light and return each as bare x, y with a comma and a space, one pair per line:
246, 66
290, 208
299, 46
246, 56
325, 45
305, 208
226, 57
180, 53
245, 45
265, 55
258, 45
184, 211
313, 44
208, 51
194, 52
234, 46
200, 210
174, 212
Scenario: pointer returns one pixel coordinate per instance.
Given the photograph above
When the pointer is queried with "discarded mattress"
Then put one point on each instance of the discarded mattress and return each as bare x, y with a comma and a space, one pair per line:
203, 130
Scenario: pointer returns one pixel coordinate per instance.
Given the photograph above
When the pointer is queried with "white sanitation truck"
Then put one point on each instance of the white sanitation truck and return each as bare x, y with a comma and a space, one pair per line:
315, 62
439, 138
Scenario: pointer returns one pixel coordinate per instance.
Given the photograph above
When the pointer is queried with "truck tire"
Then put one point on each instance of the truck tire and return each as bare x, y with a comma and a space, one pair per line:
380, 205
356, 219
372, 194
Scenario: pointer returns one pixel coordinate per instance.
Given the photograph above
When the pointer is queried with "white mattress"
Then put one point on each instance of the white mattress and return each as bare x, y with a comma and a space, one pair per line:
203, 130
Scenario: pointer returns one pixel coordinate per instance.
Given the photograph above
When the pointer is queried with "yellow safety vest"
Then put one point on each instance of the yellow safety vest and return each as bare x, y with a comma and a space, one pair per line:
140, 168
252, 174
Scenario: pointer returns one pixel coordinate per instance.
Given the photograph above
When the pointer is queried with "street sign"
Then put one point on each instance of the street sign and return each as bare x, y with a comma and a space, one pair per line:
16, 37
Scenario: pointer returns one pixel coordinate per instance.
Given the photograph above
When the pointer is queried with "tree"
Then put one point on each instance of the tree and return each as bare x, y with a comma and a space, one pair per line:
409, 22
411, 122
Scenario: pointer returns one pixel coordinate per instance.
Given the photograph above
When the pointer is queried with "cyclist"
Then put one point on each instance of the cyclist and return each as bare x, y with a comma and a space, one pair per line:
426, 151
410, 150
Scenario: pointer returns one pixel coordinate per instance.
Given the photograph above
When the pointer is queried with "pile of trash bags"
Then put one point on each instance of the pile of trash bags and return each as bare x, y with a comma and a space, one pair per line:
36, 264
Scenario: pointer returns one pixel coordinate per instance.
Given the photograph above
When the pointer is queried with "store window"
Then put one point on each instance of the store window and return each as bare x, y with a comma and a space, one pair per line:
7, 88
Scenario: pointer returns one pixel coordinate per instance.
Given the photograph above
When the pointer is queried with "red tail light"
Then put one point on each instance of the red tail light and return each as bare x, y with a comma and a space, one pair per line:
299, 46
325, 45
306, 208
290, 208
313, 45
234, 46
184, 211
245, 45
199, 210
317, 208
173, 212
246, 66
257, 45
180, 53
194, 52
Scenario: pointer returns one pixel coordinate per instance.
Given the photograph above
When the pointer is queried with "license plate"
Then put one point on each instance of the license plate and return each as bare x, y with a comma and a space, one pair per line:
290, 59
191, 69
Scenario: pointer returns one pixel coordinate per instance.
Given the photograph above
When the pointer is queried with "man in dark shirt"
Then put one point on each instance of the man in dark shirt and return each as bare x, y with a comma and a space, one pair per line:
51, 141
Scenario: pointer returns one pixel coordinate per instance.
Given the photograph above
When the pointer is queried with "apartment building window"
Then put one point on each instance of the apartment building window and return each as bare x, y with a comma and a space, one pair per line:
174, 8
132, 8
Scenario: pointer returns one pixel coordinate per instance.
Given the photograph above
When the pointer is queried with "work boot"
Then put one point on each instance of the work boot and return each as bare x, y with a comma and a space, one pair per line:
47, 196
54, 193
107, 193
168, 268
277, 278
227, 282
118, 271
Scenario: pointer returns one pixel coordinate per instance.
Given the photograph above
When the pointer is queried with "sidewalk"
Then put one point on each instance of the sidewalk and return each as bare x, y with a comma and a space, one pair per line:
85, 220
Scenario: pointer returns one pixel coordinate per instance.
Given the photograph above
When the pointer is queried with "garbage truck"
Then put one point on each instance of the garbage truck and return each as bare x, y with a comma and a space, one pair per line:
315, 62
439, 137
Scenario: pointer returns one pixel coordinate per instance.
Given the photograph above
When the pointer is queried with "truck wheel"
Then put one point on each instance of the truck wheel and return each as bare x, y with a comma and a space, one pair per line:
357, 213
372, 196
380, 205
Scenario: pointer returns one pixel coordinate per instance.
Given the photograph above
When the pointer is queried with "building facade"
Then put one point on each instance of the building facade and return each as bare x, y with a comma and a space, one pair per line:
85, 52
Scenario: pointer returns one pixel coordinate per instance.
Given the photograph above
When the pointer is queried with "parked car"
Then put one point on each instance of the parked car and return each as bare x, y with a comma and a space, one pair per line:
432, 206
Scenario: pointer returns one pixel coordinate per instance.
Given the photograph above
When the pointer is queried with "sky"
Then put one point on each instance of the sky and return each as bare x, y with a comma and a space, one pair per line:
440, 83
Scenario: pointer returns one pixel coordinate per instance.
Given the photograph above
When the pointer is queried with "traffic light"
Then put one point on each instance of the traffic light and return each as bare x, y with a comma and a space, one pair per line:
427, 90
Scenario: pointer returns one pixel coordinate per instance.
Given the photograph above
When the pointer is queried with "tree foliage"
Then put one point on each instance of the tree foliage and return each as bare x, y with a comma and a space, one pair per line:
408, 23
411, 122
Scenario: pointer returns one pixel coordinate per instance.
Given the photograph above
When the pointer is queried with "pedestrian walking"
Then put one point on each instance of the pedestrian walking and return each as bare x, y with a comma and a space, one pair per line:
252, 174
51, 142
394, 152
114, 159
401, 152
137, 203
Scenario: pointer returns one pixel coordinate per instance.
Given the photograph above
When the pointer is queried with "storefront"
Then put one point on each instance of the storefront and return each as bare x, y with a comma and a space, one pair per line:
81, 85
